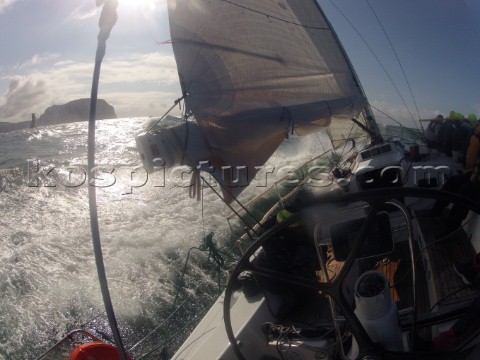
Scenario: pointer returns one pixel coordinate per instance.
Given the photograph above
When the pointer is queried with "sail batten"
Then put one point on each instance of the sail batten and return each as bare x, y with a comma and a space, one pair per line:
255, 69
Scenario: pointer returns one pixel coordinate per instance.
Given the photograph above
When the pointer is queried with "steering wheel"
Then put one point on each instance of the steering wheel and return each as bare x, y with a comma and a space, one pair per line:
376, 198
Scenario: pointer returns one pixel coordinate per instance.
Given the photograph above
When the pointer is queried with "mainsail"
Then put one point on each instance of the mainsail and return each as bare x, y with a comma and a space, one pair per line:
252, 71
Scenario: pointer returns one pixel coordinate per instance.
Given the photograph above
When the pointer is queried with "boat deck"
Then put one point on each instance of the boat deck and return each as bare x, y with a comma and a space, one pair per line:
448, 287
397, 268
443, 252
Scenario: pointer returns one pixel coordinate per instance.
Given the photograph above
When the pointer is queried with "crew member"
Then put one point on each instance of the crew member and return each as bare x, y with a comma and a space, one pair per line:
466, 184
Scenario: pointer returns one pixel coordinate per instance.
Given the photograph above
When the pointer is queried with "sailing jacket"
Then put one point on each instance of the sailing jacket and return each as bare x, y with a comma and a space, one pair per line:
473, 151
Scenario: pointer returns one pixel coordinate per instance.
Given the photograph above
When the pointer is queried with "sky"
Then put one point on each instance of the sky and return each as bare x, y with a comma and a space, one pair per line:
431, 55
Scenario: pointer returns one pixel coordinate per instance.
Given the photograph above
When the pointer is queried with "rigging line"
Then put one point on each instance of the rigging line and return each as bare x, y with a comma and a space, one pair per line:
182, 283
348, 138
189, 323
375, 56
398, 60
231, 208
180, 306
175, 103
189, 298
185, 145
108, 18
239, 203
203, 212
275, 17
320, 142
398, 123
388, 116
82, 326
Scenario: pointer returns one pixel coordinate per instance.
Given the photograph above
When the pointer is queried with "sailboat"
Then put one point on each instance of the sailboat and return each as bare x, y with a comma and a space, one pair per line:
355, 270
248, 93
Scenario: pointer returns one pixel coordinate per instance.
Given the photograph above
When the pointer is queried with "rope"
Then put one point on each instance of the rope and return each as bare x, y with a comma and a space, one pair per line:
213, 252
163, 352
203, 213
175, 103
375, 56
108, 18
399, 63
232, 209
215, 256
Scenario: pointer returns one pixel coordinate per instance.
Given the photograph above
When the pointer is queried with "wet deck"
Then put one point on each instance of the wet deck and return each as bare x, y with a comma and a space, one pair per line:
397, 268
443, 252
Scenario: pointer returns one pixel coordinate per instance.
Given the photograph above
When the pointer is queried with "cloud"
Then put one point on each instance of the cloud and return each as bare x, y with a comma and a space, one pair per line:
5, 4
38, 59
136, 85
140, 84
146, 103
82, 14
23, 94
149, 67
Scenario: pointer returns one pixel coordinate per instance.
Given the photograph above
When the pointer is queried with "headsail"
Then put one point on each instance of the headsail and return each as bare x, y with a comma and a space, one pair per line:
252, 71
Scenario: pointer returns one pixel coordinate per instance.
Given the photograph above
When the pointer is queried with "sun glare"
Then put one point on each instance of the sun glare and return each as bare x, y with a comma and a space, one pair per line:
143, 5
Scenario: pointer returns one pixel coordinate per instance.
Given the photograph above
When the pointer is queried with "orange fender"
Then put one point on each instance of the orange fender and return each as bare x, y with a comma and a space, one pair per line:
95, 351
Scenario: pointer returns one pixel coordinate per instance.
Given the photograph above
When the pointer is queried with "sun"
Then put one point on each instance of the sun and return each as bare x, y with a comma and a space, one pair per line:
140, 10
143, 5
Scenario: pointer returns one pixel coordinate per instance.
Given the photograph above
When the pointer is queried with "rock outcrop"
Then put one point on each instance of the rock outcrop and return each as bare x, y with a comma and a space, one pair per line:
73, 111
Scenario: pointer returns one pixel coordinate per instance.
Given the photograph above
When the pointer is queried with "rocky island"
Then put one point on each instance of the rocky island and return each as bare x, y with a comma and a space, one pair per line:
73, 111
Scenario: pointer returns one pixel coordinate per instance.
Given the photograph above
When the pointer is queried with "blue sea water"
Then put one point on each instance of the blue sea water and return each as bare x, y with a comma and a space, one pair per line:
48, 279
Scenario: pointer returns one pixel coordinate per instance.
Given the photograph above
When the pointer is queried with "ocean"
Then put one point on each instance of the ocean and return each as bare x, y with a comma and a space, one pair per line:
48, 278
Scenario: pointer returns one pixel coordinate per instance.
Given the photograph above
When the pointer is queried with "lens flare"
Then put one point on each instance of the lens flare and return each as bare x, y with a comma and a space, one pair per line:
144, 5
